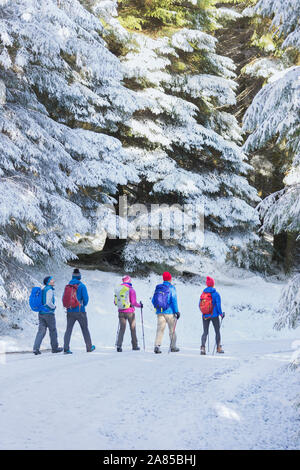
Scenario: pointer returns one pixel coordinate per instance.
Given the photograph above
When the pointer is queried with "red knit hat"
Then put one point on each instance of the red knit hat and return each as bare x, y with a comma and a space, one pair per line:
210, 282
167, 276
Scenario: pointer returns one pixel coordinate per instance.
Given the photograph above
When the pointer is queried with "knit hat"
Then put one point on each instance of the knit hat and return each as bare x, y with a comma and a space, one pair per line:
167, 276
47, 280
210, 282
126, 279
76, 273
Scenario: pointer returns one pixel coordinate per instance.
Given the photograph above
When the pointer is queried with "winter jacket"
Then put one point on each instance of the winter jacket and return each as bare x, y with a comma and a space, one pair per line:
172, 300
82, 296
48, 299
216, 300
132, 300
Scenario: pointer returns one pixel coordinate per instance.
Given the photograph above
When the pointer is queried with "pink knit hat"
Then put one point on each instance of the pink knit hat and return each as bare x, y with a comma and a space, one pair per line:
210, 282
126, 279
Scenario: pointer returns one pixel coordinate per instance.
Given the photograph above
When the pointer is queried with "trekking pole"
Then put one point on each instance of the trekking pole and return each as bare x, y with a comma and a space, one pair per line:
116, 343
142, 325
216, 343
172, 335
213, 353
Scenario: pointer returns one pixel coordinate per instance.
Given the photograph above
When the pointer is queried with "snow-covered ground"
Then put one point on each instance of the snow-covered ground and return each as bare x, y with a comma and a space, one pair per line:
246, 399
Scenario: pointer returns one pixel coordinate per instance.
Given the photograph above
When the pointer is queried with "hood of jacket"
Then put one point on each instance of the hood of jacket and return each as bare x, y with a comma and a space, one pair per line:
210, 290
74, 280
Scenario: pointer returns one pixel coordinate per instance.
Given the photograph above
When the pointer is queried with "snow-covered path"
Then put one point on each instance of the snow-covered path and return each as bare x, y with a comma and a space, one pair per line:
139, 400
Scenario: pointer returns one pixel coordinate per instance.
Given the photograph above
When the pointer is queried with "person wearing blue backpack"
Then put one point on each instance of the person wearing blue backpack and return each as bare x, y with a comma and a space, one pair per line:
43, 301
166, 308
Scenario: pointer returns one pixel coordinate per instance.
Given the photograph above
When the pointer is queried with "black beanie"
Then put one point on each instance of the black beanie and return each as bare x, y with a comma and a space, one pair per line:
76, 273
47, 279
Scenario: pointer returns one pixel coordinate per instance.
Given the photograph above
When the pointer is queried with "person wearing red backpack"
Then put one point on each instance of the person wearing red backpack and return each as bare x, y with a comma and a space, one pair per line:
75, 299
210, 306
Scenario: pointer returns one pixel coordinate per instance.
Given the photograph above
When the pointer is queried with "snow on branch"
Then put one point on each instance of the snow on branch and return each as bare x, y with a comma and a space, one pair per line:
285, 18
288, 309
280, 211
274, 112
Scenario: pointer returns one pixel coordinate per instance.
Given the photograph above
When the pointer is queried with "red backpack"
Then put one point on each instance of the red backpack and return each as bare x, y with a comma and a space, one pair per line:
70, 296
206, 305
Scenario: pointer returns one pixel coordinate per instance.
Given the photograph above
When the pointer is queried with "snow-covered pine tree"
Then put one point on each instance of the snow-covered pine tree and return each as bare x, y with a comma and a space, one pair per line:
185, 143
60, 97
288, 309
274, 118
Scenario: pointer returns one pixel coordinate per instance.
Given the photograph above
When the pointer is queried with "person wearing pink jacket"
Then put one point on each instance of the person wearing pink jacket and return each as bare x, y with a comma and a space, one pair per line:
128, 314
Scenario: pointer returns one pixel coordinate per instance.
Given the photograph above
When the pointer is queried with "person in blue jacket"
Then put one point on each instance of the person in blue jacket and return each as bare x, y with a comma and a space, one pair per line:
214, 317
78, 314
47, 318
167, 316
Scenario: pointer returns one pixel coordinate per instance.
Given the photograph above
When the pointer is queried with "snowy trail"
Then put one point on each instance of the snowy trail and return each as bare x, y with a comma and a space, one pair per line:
138, 400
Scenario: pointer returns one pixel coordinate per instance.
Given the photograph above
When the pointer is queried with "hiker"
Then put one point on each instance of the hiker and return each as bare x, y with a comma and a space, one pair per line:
165, 302
125, 300
75, 299
47, 318
210, 306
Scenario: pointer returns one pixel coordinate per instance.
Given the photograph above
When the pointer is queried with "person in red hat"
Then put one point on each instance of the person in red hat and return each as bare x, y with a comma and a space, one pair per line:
210, 306
166, 308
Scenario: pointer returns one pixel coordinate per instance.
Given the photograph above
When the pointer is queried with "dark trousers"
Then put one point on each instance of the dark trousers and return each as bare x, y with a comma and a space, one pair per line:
82, 320
122, 327
46, 320
216, 323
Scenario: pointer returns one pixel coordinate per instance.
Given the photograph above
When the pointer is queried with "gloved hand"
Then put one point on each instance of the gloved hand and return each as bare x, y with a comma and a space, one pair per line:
141, 304
177, 315
223, 315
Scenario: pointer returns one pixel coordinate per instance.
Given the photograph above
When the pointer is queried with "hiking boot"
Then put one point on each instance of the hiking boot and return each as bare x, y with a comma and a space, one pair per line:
157, 350
57, 350
136, 348
92, 349
220, 350
68, 351
37, 352
175, 349
119, 349
202, 351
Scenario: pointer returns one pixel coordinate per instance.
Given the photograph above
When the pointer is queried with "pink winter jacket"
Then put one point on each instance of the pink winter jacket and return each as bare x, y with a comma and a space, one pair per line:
132, 299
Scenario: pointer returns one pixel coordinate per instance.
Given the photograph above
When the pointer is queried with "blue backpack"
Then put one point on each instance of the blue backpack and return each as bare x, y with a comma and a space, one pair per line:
36, 300
161, 297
